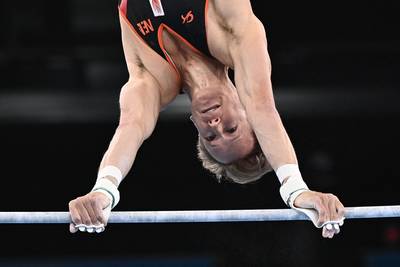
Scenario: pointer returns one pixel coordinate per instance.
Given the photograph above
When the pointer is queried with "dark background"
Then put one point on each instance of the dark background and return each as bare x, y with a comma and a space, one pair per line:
336, 81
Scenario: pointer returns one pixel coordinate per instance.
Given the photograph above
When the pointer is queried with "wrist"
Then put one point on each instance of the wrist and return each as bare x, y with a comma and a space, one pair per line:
109, 189
292, 183
286, 171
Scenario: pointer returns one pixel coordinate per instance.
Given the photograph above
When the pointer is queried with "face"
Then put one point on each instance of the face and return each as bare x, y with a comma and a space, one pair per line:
222, 125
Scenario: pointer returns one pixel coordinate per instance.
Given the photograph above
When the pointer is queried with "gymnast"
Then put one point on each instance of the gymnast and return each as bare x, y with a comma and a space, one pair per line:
173, 47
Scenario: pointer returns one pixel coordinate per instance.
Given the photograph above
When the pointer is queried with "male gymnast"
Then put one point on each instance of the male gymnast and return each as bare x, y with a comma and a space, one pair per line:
187, 46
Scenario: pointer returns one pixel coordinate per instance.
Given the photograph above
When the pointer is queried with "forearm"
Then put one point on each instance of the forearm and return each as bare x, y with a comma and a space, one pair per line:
139, 103
255, 91
123, 148
272, 136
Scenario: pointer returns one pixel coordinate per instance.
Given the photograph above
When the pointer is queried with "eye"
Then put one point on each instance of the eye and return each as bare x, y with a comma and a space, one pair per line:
232, 130
210, 138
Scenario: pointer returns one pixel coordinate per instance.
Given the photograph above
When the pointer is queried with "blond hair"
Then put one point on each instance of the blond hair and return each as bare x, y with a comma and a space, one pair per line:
233, 172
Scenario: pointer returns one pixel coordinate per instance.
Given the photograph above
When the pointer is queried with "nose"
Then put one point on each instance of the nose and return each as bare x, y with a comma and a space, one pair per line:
214, 122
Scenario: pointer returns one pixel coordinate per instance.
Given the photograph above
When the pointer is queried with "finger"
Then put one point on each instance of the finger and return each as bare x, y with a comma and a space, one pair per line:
337, 228
74, 213
321, 208
340, 209
80, 227
332, 226
100, 228
329, 227
85, 218
328, 233
331, 234
333, 214
325, 232
92, 215
98, 210
72, 228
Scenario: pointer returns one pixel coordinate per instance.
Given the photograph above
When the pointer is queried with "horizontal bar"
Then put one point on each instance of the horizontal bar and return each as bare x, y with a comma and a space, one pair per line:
196, 216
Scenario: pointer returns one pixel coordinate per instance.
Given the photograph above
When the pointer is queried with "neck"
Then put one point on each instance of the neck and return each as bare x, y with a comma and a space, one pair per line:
199, 73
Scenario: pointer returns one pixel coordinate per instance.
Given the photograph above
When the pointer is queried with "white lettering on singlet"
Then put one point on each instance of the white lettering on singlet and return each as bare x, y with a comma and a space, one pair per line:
157, 8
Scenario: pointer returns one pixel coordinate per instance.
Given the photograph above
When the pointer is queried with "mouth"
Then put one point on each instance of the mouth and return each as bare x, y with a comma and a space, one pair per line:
212, 108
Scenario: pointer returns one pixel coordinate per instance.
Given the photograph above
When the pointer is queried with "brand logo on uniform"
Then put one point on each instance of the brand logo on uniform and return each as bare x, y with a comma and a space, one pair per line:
188, 18
157, 8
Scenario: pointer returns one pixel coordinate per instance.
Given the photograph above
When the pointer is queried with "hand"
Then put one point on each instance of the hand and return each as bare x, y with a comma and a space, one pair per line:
328, 207
89, 213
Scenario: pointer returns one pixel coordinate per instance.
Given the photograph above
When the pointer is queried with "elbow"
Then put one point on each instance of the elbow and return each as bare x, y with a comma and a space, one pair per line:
261, 102
267, 106
261, 109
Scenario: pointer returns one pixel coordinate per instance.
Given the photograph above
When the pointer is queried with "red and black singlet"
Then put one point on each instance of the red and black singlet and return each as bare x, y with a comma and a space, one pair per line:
186, 18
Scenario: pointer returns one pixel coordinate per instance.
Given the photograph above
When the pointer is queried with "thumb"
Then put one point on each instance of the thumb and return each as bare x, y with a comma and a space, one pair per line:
304, 200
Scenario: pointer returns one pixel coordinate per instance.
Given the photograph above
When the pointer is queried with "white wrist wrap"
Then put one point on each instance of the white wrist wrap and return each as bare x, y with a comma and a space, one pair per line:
294, 184
110, 171
286, 171
109, 189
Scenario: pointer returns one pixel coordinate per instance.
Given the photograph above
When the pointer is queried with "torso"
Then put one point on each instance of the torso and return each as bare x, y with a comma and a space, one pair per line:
200, 25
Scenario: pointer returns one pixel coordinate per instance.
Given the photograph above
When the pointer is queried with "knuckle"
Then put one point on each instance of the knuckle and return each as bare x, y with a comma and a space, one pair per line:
318, 201
326, 197
99, 218
92, 200
73, 202
79, 201
75, 219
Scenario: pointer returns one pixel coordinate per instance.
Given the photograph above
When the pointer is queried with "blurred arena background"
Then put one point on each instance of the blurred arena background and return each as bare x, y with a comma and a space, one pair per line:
336, 82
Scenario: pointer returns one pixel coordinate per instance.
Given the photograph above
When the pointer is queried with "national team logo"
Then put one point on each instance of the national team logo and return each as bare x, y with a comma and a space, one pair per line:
157, 8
